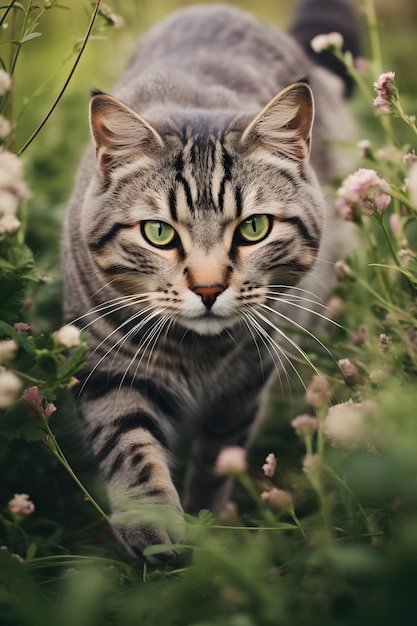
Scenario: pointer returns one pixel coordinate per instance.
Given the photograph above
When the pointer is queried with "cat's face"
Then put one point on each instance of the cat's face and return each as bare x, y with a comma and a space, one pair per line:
199, 221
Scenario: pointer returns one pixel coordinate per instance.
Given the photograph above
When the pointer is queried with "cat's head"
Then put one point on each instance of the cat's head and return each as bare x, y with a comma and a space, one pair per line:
202, 212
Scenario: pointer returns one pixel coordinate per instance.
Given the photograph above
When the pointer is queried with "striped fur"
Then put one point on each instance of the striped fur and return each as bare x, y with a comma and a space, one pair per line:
184, 338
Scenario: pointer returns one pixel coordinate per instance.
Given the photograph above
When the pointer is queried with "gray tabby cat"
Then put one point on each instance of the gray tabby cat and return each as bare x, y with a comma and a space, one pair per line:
196, 233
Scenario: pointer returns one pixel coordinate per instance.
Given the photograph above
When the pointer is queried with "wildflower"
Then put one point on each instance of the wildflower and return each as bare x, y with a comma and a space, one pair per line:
5, 82
111, 18
311, 463
318, 391
334, 306
270, 465
385, 90
10, 385
364, 147
348, 425
21, 327
5, 127
406, 255
349, 371
231, 460
359, 336
409, 158
33, 401
342, 270
411, 183
21, 505
278, 499
383, 341
8, 348
9, 224
332, 42
395, 223
15, 556
304, 424
11, 177
363, 192
68, 336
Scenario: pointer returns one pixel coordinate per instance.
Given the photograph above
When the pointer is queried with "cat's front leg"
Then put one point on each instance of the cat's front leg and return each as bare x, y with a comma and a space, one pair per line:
131, 448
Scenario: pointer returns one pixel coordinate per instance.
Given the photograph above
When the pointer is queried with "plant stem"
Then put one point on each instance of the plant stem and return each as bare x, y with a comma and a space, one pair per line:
58, 453
70, 75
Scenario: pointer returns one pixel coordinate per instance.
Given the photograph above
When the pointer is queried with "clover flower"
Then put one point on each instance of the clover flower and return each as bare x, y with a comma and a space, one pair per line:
8, 348
10, 385
278, 499
21, 505
270, 465
349, 371
304, 424
349, 425
386, 90
318, 391
68, 335
363, 192
34, 403
13, 190
231, 460
330, 41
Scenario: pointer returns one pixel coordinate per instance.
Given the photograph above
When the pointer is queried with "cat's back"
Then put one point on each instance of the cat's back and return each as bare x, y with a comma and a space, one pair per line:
214, 45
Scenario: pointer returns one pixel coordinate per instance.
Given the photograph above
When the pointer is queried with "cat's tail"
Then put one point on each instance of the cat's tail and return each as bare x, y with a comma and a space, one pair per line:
317, 17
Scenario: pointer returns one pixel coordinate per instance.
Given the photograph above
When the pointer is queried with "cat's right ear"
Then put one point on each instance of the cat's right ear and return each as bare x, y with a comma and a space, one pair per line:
120, 135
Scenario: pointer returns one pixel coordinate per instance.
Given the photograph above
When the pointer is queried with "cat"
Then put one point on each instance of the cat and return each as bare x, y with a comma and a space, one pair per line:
197, 230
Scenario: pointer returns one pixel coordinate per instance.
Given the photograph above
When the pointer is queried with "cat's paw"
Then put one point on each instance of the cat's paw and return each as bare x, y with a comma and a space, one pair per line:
155, 525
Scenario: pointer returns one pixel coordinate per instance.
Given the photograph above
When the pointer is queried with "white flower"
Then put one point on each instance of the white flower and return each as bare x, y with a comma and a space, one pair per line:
5, 127
270, 465
10, 385
68, 336
5, 82
9, 224
349, 425
304, 424
8, 348
320, 43
411, 183
231, 460
21, 505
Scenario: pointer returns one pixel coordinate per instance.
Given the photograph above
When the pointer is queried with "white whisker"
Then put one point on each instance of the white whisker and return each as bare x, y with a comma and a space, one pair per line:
304, 308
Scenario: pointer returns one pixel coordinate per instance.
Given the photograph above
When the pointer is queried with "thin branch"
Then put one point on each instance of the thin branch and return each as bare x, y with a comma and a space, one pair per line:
61, 93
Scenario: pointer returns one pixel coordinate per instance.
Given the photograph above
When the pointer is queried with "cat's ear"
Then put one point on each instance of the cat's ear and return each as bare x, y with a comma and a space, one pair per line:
120, 135
285, 124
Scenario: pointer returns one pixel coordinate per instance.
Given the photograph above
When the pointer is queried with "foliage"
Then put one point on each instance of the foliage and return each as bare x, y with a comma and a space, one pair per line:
325, 535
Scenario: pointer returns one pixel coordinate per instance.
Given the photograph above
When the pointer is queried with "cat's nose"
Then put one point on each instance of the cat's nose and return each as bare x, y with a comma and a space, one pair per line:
208, 293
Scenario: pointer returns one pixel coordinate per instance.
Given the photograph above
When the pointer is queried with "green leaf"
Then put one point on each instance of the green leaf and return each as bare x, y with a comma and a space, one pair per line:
29, 37
17, 425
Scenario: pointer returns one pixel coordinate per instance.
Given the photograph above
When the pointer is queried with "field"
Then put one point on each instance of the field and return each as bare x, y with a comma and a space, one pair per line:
338, 544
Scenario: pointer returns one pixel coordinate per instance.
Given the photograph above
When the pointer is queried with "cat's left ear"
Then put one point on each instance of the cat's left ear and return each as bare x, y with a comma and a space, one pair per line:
285, 124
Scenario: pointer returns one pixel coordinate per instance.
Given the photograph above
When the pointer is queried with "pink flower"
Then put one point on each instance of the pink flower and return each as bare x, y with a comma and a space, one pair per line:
395, 223
363, 192
34, 403
231, 460
406, 255
409, 158
349, 371
318, 391
385, 90
21, 505
304, 424
21, 327
270, 465
278, 499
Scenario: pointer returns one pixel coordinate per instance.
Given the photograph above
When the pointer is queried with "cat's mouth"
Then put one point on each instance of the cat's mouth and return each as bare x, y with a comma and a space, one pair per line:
208, 323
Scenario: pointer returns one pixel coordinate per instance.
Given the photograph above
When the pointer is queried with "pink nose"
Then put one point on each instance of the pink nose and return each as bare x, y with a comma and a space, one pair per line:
208, 293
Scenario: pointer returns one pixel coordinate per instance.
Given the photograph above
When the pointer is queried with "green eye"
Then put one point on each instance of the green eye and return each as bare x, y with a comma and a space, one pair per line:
159, 234
254, 229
